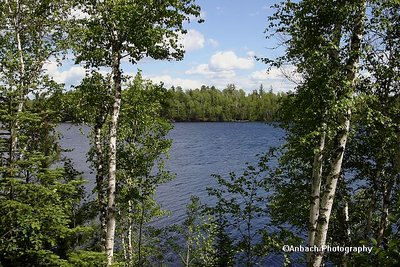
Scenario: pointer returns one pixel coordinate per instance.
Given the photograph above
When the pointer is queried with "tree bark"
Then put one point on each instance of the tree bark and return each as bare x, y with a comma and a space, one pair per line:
187, 260
140, 237
347, 232
329, 192
101, 201
387, 191
316, 179
340, 139
112, 160
316, 189
130, 235
385, 210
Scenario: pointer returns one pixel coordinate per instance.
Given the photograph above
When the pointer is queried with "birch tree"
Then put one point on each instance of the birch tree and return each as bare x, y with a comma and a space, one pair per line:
30, 33
341, 136
90, 103
114, 30
323, 40
374, 151
38, 202
142, 146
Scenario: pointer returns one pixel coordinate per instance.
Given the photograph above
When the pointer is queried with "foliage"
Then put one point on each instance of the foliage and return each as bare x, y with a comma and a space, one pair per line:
90, 102
41, 213
133, 29
230, 104
141, 150
242, 236
194, 240
83, 258
108, 32
40, 210
204, 104
319, 40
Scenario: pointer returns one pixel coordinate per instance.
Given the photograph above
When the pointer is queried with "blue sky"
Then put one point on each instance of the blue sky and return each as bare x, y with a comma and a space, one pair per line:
219, 51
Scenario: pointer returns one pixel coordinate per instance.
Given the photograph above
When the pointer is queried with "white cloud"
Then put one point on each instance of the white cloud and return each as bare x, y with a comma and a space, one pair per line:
201, 69
213, 42
204, 69
171, 81
221, 69
193, 40
228, 60
283, 79
259, 75
222, 65
70, 76
251, 53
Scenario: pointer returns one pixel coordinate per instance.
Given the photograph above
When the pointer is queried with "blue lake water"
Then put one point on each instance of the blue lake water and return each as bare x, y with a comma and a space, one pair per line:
198, 150
202, 149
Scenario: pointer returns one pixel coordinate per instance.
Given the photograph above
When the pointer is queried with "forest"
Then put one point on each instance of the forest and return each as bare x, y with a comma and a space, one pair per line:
333, 183
203, 104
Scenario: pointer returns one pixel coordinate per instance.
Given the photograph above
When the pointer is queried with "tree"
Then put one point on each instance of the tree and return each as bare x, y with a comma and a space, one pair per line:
31, 32
324, 43
231, 104
374, 151
193, 241
37, 202
114, 30
141, 147
93, 94
240, 203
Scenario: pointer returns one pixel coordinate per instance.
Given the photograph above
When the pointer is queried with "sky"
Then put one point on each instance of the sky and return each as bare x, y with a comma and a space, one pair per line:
219, 51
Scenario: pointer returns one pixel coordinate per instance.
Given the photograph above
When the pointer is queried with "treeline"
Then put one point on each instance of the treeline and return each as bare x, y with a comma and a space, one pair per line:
230, 104
205, 104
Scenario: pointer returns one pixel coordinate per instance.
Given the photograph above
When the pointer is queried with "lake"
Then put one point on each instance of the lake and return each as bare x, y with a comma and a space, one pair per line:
198, 150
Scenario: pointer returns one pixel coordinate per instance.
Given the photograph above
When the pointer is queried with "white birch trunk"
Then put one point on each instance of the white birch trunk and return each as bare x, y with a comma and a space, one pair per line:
112, 161
318, 159
316, 190
385, 211
99, 184
346, 216
341, 140
329, 193
140, 237
130, 236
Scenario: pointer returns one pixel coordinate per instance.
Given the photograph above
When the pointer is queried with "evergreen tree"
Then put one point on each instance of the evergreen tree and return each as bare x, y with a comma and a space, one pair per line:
38, 201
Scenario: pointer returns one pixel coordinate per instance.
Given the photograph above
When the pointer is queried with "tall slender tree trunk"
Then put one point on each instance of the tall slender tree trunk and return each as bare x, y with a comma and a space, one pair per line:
340, 139
187, 260
387, 191
101, 201
130, 234
316, 189
329, 192
316, 179
372, 204
347, 232
112, 160
370, 214
124, 249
